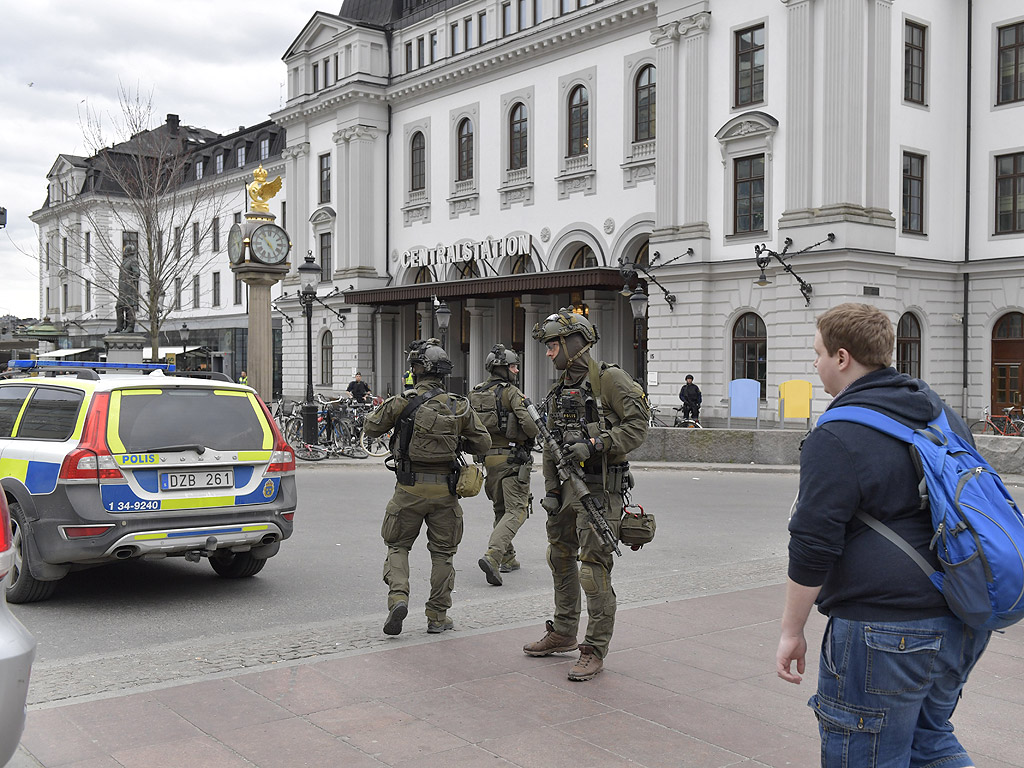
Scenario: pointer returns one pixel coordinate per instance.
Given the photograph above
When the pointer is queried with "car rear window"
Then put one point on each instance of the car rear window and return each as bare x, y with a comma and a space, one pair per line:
51, 414
150, 419
11, 399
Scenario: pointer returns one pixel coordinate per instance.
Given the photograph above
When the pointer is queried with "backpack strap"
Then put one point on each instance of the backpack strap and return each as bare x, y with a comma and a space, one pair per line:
405, 419
879, 527
869, 418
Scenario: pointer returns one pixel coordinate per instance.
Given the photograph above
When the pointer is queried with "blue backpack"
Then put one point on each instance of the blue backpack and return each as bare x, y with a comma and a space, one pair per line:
979, 531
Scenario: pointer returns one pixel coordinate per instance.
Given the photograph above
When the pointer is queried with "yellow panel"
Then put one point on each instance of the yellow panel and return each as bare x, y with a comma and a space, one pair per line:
204, 503
268, 436
231, 393
16, 468
254, 455
17, 421
142, 391
113, 419
796, 395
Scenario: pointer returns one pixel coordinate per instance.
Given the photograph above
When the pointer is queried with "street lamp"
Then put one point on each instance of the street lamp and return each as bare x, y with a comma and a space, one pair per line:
443, 315
184, 344
638, 305
309, 279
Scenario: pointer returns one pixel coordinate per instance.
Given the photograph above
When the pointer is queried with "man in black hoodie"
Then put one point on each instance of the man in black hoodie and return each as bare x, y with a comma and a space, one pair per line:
894, 658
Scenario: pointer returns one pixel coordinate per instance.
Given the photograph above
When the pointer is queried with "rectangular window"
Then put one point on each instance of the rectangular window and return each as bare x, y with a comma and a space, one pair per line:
239, 287
467, 28
195, 238
199, 170
237, 218
748, 194
337, 72
240, 157
568, 6
88, 247
195, 292
481, 28
433, 47
264, 149
218, 163
913, 193
215, 293
64, 252
421, 52
1011, 64
408, 57
284, 214
47, 256
51, 414
177, 293
913, 62
538, 11
521, 18
88, 296
316, 77
1010, 193
325, 255
215, 234
506, 20
327, 72
456, 39
64, 298
325, 178
177, 242
749, 44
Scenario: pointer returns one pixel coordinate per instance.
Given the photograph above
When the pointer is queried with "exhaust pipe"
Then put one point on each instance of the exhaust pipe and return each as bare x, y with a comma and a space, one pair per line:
268, 539
123, 553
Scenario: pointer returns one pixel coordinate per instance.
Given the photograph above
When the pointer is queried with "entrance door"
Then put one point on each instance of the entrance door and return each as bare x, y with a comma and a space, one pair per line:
1007, 362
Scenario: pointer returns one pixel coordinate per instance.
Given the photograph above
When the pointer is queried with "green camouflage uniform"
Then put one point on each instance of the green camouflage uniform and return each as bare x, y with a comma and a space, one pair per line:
621, 427
507, 480
427, 500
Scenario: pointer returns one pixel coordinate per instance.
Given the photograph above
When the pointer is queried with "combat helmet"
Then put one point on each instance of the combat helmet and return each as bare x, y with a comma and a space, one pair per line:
499, 356
563, 324
430, 356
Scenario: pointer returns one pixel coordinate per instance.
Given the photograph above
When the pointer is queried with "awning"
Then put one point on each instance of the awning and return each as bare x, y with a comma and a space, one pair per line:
163, 352
594, 278
58, 353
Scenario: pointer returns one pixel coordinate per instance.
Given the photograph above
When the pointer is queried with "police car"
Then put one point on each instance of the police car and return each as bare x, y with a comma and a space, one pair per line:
102, 463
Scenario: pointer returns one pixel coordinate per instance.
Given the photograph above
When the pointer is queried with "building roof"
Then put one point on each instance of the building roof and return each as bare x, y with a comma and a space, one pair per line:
393, 14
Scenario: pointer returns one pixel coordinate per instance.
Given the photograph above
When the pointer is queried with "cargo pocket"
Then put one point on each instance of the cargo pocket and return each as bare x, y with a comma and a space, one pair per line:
390, 529
849, 735
898, 660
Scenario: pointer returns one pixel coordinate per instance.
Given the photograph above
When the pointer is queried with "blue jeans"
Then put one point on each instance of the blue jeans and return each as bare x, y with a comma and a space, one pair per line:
886, 691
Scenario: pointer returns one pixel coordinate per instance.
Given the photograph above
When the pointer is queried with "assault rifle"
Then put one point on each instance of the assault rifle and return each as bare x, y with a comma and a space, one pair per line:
571, 472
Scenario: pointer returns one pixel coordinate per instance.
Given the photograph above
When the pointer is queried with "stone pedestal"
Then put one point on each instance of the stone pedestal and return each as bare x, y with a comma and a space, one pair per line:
125, 347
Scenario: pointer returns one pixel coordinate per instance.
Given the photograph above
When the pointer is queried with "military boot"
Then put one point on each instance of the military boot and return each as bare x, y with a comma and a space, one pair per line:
552, 642
397, 614
490, 569
437, 626
587, 666
507, 566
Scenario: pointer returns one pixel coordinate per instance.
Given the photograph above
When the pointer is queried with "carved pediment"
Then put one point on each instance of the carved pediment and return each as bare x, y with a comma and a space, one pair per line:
319, 31
747, 125
323, 215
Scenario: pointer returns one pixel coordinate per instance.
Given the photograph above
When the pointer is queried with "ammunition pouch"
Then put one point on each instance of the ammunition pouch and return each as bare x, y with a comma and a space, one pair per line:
636, 527
468, 481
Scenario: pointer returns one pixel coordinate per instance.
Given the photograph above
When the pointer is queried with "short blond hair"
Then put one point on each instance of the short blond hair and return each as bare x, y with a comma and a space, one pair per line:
862, 330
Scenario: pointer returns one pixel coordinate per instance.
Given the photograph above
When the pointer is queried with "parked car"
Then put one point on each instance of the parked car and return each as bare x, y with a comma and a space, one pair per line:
138, 464
17, 650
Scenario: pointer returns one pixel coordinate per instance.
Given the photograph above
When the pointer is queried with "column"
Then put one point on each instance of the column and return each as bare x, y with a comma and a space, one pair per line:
603, 314
800, 68
879, 108
388, 365
297, 191
260, 343
666, 215
843, 119
481, 338
538, 372
694, 31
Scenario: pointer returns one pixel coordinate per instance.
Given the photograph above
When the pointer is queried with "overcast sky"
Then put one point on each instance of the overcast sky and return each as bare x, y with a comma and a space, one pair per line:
215, 64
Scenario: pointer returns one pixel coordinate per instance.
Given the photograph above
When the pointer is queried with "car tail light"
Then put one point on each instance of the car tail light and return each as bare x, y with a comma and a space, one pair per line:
289, 516
92, 459
84, 531
283, 458
5, 525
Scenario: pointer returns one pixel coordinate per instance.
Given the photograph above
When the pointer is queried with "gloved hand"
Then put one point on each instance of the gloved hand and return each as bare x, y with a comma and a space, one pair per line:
551, 503
581, 450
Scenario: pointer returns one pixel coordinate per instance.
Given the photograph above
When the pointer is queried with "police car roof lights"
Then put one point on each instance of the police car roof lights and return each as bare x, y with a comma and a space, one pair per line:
84, 369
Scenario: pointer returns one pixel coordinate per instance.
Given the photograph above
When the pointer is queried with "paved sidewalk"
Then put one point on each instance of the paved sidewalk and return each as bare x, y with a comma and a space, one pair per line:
688, 683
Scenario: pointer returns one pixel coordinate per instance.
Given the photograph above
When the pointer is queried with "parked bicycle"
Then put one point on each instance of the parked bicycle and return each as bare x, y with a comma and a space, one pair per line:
1007, 424
655, 419
289, 420
374, 446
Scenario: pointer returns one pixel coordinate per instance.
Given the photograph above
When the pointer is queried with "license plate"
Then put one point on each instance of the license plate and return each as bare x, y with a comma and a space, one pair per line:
207, 478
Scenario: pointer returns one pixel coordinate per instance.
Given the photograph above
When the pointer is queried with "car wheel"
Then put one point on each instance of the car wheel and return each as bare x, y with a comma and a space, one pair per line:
21, 587
237, 565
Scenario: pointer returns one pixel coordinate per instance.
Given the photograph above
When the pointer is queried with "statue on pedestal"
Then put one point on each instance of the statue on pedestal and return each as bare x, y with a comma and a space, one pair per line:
128, 290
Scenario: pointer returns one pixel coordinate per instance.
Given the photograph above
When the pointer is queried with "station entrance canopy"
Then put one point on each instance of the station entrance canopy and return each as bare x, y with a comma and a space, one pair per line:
567, 281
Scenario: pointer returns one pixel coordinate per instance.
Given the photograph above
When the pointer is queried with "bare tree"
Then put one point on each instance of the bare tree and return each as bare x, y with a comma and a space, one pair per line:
143, 192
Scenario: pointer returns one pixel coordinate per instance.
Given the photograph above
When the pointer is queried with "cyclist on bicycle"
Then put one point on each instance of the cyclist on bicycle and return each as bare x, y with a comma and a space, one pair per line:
690, 395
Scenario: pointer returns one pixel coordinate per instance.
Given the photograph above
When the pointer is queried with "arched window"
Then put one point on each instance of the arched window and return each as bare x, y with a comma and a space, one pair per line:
750, 350
645, 103
1010, 326
583, 258
465, 150
522, 264
418, 162
517, 132
908, 346
423, 276
327, 358
1008, 362
579, 122
468, 269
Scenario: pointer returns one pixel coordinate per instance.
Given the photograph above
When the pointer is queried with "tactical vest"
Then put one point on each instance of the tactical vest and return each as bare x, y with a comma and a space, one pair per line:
485, 399
427, 432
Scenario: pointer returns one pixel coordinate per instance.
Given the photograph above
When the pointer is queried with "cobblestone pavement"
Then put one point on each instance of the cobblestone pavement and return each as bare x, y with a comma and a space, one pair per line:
57, 683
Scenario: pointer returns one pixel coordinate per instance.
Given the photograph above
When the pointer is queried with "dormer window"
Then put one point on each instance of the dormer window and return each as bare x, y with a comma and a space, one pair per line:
199, 170
240, 156
264, 148
218, 163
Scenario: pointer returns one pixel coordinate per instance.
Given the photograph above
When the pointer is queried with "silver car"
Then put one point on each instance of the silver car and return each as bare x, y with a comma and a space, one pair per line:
17, 649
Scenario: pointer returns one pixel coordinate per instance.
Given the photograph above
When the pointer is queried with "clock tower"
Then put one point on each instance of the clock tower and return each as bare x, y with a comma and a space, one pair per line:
258, 250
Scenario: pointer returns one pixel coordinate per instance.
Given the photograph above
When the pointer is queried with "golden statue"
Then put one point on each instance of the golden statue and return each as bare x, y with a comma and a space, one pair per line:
260, 191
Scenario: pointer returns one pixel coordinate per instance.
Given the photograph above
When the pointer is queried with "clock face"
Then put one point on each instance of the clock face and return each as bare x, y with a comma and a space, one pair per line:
269, 244
236, 248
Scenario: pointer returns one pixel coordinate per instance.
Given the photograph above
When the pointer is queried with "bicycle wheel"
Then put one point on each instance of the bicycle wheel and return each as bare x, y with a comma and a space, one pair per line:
291, 429
376, 446
308, 452
1018, 428
982, 428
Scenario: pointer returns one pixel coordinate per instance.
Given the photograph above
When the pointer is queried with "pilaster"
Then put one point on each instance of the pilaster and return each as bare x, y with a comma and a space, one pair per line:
296, 181
843, 97
879, 107
799, 110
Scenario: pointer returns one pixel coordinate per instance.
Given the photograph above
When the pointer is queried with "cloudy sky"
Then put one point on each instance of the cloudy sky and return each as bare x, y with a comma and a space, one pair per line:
215, 64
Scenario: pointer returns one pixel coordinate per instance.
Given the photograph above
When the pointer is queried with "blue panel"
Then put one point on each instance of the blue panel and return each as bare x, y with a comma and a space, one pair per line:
147, 478
41, 476
243, 474
267, 491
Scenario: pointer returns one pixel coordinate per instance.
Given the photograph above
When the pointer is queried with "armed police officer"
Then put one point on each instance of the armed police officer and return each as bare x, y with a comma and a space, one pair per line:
432, 427
600, 414
501, 407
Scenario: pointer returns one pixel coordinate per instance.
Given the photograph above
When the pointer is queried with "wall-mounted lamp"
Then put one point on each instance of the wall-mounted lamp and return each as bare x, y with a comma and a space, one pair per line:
629, 272
958, 318
763, 257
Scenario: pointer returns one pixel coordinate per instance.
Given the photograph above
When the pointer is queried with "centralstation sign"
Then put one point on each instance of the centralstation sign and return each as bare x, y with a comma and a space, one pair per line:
481, 250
